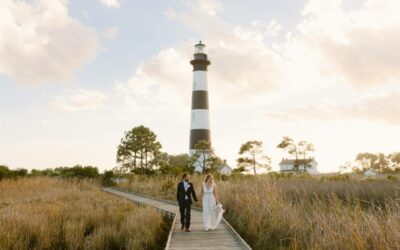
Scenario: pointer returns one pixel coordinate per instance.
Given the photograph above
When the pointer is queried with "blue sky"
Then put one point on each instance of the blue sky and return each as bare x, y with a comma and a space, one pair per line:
74, 75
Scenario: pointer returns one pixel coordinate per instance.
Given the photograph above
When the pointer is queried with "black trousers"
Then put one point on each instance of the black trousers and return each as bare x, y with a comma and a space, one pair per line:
184, 209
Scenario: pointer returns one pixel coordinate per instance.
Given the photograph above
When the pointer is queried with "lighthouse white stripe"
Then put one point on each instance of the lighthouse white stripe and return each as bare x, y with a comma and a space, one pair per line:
200, 80
200, 119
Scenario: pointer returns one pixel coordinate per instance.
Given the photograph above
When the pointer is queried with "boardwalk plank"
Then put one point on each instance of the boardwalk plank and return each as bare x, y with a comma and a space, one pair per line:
220, 238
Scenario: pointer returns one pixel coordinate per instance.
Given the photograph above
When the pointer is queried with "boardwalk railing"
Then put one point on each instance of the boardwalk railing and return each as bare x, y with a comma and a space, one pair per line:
171, 213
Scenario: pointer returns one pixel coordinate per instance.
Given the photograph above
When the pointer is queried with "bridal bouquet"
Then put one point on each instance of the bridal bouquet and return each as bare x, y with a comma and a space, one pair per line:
218, 209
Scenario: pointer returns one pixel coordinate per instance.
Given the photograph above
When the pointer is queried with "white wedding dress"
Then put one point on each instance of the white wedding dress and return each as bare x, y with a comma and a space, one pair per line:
212, 212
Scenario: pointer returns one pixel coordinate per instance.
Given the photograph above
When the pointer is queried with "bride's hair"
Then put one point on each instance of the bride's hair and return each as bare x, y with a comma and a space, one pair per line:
207, 177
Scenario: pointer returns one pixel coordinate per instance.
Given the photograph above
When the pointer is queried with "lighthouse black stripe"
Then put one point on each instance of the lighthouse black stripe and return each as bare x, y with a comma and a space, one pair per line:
200, 67
200, 99
200, 64
197, 135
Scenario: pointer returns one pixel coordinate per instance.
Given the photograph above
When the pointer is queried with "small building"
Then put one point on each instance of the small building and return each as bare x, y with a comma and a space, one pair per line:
120, 180
287, 166
370, 172
224, 169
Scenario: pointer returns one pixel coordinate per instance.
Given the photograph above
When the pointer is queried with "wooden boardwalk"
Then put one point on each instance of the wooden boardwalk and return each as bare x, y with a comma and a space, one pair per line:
223, 237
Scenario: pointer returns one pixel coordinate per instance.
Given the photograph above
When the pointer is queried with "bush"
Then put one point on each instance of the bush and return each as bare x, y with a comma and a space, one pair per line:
107, 179
277, 175
4, 172
338, 177
78, 171
392, 177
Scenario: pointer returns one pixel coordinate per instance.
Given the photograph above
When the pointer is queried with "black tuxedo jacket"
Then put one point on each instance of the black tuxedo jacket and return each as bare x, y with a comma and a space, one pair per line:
181, 193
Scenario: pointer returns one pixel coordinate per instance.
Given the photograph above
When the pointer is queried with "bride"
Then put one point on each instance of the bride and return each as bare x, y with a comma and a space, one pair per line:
212, 209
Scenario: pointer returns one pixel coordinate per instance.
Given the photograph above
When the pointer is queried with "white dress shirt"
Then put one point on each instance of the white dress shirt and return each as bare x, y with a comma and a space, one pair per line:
186, 186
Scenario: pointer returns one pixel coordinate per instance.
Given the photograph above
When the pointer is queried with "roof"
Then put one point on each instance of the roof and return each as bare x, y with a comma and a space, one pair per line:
220, 167
285, 161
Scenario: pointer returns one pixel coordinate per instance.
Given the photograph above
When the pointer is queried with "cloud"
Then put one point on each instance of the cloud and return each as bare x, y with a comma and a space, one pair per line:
378, 108
260, 63
273, 28
111, 33
359, 47
384, 107
39, 41
211, 7
241, 64
78, 100
111, 3
160, 82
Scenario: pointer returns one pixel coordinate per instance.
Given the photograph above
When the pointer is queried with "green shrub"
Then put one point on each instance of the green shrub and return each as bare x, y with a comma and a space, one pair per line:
338, 177
107, 179
392, 177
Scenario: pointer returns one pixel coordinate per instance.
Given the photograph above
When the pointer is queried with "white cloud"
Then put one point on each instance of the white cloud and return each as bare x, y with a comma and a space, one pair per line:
241, 63
40, 42
78, 100
273, 28
328, 48
383, 107
211, 7
378, 108
111, 3
359, 47
111, 33
158, 84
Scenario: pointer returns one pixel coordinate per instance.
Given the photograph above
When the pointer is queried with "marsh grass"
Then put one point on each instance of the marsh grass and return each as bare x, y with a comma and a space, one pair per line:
302, 212
49, 213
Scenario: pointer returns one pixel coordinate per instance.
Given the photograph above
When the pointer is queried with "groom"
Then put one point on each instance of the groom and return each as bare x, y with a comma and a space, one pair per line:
185, 190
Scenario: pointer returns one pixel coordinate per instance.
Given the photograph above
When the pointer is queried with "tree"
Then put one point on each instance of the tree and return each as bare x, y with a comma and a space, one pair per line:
4, 172
20, 172
299, 151
179, 160
395, 161
378, 161
107, 178
174, 164
204, 156
252, 157
139, 148
78, 171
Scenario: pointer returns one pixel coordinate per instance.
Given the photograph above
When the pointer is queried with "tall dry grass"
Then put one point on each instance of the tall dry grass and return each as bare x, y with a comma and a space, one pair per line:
49, 213
302, 213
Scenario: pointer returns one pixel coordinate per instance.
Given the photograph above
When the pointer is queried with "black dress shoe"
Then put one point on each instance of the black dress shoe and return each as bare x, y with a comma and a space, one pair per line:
187, 230
183, 227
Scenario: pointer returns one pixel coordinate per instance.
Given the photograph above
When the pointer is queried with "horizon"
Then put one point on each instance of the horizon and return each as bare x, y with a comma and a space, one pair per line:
74, 76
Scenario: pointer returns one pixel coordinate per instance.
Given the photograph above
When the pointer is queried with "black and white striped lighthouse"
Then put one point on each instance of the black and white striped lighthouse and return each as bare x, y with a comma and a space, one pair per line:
200, 119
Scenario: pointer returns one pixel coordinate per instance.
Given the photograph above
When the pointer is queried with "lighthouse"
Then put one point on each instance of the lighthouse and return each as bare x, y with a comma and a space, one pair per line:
200, 118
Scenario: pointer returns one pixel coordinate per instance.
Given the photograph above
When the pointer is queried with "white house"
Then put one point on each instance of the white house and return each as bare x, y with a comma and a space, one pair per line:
370, 172
224, 169
120, 180
287, 165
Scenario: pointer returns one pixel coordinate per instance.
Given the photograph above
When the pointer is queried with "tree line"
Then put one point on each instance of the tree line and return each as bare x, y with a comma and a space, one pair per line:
139, 152
77, 171
380, 162
74, 172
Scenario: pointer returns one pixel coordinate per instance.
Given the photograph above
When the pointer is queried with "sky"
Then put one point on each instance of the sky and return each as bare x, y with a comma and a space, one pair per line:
75, 75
